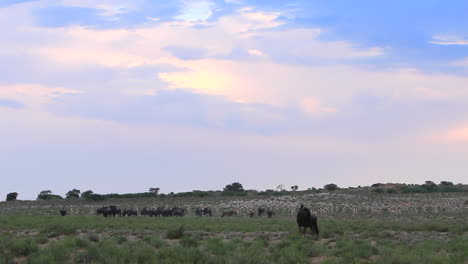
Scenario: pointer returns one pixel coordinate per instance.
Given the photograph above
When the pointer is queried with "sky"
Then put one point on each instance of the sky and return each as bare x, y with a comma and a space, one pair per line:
120, 96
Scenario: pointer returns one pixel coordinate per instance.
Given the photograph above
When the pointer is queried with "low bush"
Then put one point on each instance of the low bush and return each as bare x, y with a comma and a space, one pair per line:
175, 233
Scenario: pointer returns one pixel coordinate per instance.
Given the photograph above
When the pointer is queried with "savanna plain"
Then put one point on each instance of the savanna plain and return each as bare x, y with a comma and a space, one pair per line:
356, 226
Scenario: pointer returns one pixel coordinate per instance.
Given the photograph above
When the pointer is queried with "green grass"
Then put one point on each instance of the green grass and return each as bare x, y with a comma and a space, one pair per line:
290, 249
91, 239
56, 225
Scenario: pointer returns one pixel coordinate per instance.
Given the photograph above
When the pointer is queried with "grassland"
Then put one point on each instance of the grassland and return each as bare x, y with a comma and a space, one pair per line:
355, 228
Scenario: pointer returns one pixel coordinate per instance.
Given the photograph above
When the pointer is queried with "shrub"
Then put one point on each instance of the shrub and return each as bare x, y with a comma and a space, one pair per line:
378, 190
331, 187
175, 233
55, 230
188, 242
12, 196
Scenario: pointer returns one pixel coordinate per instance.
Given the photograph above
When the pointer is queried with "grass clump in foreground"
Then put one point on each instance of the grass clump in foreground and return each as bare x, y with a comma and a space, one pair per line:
290, 249
175, 233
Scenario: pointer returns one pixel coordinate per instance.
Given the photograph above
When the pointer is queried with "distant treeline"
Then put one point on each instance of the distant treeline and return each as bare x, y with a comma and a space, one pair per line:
427, 187
236, 189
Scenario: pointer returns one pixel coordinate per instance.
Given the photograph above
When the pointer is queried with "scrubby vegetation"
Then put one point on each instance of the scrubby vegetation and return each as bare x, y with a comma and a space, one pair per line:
380, 224
344, 242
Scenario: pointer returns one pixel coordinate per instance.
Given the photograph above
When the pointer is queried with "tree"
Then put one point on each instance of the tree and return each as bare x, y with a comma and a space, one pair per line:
446, 183
12, 196
331, 187
86, 194
294, 188
73, 194
154, 190
47, 195
429, 185
234, 187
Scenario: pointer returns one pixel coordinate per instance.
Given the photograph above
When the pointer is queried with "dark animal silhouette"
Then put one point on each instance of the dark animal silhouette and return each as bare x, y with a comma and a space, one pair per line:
270, 213
251, 214
144, 212
229, 213
178, 211
129, 212
207, 211
100, 211
199, 212
260, 211
109, 211
307, 220
203, 211
63, 212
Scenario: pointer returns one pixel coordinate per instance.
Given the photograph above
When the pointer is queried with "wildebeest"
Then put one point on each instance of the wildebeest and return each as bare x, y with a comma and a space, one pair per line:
306, 219
152, 212
269, 213
203, 211
229, 213
199, 211
178, 211
260, 211
109, 211
129, 212
207, 211
63, 212
251, 214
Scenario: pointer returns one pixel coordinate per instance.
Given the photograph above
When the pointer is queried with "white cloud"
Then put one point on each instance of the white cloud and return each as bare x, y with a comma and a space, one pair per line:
33, 95
194, 11
256, 52
312, 106
449, 40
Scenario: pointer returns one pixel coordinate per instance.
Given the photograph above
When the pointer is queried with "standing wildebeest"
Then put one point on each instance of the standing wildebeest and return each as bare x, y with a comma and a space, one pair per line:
176, 211
306, 219
229, 213
199, 212
129, 212
269, 212
207, 211
203, 211
260, 211
251, 213
100, 211
109, 211
63, 212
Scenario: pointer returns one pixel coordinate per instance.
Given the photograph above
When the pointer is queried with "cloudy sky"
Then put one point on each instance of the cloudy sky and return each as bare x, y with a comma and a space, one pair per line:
120, 96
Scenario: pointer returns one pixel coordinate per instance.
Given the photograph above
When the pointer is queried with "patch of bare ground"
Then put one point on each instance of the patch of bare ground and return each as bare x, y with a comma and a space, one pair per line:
19, 260
318, 259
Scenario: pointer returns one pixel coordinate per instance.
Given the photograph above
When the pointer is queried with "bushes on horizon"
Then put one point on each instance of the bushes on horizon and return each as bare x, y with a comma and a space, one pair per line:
234, 187
12, 196
47, 195
331, 187
75, 193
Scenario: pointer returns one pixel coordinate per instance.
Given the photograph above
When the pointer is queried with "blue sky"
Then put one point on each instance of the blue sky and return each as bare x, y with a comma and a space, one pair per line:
120, 96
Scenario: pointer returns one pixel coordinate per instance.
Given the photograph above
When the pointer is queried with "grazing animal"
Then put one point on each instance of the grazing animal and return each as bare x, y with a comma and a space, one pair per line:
307, 220
129, 212
100, 211
199, 212
63, 212
251, 214
229, 213
178, 211
207, 211
270, 213
260, 211
109, 211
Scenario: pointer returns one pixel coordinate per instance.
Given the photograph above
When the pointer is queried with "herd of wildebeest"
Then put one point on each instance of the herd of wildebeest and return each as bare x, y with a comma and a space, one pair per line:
305, 219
